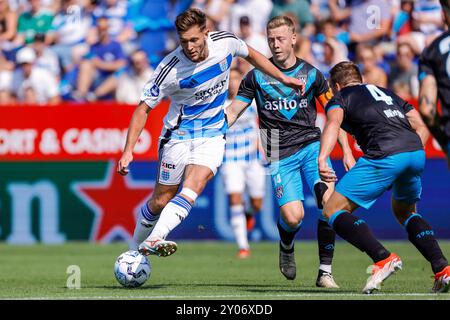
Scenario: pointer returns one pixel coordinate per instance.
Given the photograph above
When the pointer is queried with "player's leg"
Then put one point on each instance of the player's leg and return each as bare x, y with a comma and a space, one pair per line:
288, 188
325, 234
234, 180
204, 156
256, 186
406, 192
150, 212
252, 212
173, 157
289, 223
362, 186
170, 171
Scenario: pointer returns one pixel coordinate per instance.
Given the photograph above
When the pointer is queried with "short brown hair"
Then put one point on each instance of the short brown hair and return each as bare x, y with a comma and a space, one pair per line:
279, 21
446, 8
189, 18
344, 73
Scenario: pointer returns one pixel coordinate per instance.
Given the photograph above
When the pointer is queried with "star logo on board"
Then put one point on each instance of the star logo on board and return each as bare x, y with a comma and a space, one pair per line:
116, 201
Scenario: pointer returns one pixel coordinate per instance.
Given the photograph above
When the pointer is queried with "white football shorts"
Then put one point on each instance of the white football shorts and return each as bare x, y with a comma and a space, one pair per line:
175, 155
238, 176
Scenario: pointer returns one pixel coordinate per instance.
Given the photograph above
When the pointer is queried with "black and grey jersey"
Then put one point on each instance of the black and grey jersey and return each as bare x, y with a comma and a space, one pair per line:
376, 117
286, 119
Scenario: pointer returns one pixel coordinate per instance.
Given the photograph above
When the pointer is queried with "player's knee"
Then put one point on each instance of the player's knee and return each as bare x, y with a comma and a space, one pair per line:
320, 189
257, 204
235, 199
292, 220
402, 210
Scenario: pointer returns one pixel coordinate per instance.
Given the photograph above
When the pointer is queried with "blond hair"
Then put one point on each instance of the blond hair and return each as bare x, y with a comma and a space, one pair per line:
280, 21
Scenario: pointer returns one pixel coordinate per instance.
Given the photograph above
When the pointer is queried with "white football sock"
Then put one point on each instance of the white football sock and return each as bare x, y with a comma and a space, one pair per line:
173, 213
239, 225
325, 267
145, 222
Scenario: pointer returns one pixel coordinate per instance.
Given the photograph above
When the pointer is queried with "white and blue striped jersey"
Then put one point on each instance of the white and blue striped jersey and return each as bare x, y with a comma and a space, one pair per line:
242, 138
198, 91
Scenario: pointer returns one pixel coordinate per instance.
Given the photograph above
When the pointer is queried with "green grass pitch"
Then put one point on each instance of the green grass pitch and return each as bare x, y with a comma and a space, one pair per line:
206, 270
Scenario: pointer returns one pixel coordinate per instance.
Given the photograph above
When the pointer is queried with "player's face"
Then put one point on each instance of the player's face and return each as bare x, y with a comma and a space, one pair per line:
281, 42
193, 42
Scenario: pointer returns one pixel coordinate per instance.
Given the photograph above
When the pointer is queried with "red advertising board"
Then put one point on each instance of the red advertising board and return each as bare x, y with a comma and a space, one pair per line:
92, 132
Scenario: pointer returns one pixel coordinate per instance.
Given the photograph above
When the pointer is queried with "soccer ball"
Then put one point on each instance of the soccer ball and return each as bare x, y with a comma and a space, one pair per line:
132, 269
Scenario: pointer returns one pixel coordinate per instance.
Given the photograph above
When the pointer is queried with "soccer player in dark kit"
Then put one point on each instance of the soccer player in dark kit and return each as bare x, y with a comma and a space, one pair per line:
291, 142
391, 134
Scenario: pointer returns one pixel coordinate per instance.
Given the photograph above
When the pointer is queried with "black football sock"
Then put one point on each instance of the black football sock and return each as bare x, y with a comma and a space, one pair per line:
325, 238
422, 237
287, 235
356, 231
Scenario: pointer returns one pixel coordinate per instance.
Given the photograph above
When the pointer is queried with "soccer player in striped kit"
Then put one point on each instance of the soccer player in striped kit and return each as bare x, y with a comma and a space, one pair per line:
191, 146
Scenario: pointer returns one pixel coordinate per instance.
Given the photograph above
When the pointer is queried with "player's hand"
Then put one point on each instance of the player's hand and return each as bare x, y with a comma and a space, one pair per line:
326, 173
295, 84
349, 161
124, 162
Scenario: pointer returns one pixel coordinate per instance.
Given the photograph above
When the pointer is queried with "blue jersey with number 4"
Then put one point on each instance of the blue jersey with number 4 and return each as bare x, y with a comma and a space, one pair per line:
376, 117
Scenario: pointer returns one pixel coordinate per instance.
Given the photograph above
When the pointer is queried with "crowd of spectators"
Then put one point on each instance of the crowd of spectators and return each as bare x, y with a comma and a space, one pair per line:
81, 50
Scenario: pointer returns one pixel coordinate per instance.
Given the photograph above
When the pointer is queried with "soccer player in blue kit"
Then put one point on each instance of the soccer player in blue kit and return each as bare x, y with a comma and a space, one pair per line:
391, 134
290, 140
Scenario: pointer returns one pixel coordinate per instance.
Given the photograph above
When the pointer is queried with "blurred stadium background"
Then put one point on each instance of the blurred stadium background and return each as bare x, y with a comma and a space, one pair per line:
71, 72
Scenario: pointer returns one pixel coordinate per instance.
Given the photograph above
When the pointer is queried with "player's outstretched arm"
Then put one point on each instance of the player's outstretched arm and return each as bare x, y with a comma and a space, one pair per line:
428, 111
348, 158
235, 110
260, 62
137, 123
328, 141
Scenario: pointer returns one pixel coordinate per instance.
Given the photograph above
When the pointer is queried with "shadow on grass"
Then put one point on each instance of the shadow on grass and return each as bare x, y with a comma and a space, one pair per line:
118, 287
252, 288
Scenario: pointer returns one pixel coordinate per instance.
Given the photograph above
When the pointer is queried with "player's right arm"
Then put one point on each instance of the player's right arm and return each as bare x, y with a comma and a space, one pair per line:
329, 137
137, 123
161, 84
417, 124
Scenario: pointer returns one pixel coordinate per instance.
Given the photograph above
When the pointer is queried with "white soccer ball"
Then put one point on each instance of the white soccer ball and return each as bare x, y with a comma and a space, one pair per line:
132, 269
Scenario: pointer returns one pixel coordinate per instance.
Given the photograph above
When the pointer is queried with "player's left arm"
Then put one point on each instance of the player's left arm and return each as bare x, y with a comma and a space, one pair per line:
260, 62
335, 116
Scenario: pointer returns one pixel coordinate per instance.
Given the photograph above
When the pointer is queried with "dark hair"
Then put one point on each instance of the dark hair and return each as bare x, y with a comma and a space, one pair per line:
344, 73
446, 7
39, 37
189, 18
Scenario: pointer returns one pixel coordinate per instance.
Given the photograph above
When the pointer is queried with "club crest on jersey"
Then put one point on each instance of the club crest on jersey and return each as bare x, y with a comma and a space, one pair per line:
302, 78
223, 65
153, 91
